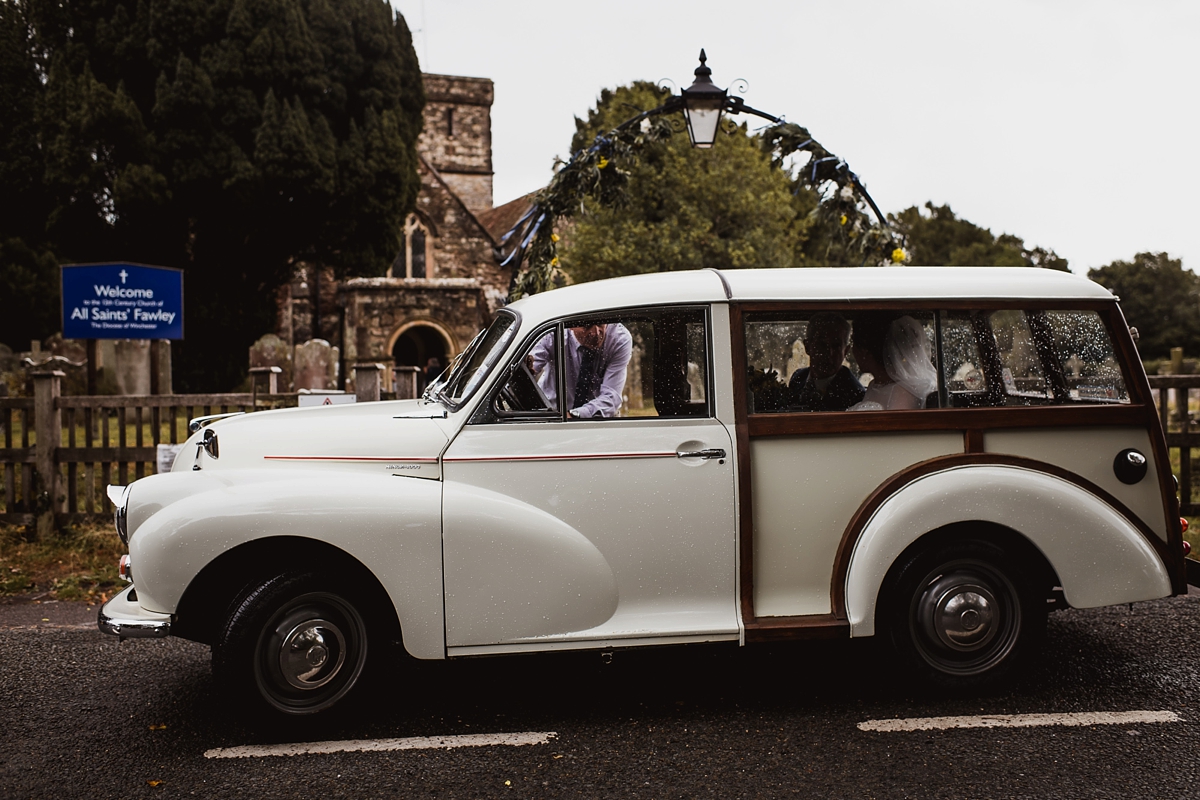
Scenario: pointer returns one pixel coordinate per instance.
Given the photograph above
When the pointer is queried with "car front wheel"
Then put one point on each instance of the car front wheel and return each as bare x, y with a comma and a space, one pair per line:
293, 641
963, 614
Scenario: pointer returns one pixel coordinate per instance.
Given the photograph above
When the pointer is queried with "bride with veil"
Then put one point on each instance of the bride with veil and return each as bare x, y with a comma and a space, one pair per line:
897, 353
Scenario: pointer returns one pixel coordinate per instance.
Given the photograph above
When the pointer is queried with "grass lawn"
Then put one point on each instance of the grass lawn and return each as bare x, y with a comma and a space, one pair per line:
79, 564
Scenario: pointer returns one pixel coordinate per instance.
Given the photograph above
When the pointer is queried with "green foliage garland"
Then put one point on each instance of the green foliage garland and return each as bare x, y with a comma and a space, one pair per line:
844, 202
596, 173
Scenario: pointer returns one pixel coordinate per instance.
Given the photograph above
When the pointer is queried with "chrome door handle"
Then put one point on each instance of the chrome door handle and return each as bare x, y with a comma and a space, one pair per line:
712, 452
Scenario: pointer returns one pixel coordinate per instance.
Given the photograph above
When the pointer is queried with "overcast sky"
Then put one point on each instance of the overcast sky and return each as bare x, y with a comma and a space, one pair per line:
1070, 124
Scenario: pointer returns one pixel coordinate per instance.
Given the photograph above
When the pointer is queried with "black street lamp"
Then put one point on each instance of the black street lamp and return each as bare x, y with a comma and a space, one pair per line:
703, 103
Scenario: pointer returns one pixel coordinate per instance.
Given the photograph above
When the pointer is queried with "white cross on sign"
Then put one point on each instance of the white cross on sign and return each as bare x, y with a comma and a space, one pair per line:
123, 275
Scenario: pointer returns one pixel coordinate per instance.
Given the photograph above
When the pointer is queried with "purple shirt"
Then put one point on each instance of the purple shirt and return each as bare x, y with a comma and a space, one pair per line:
614, 358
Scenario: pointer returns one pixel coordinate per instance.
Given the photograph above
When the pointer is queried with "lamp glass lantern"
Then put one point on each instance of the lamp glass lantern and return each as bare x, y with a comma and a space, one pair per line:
703, 103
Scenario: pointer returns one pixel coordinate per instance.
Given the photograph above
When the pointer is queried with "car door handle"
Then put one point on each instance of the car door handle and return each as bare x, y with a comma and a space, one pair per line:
712, 452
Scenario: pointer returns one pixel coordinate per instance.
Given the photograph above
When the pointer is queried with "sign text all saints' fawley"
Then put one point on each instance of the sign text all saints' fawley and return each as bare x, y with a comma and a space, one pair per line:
122, 301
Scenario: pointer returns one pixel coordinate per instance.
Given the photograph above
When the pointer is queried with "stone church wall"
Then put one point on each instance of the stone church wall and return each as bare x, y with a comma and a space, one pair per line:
375, 319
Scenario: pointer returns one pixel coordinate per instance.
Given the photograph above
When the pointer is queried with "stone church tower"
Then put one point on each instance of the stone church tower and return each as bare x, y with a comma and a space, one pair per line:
446, 282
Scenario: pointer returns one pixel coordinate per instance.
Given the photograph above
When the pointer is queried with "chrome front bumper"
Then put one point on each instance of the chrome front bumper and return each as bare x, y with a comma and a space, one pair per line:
122, 616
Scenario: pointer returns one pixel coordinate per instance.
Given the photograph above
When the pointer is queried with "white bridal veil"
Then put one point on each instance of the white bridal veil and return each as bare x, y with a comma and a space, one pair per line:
907, 357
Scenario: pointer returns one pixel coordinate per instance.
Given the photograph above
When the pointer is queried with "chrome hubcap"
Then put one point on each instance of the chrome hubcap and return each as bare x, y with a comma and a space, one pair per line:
959, 612
312, 653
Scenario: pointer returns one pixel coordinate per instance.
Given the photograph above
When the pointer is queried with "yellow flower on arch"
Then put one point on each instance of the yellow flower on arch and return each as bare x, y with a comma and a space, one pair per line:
554, 237
899, 256
842, 221
602, 163
554, 261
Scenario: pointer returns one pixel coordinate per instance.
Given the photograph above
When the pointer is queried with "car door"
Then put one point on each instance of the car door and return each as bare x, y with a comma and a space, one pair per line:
591, 498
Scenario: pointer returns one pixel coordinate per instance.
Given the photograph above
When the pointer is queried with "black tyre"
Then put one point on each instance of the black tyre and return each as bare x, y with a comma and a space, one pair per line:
294, 642
962, 614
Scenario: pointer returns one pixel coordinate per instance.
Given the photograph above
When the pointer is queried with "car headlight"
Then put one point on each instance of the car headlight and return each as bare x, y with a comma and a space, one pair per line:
119, 495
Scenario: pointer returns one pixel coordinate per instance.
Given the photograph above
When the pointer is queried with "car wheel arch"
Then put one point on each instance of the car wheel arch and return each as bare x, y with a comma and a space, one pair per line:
1057, 518
208, 598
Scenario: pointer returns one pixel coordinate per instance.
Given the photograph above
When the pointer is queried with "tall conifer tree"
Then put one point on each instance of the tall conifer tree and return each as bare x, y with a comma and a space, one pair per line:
231, 138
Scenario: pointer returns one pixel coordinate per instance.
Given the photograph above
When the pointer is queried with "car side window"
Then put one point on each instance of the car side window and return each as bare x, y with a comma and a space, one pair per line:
1015, 357
636, 364
891, 359
845, 360
1080, 348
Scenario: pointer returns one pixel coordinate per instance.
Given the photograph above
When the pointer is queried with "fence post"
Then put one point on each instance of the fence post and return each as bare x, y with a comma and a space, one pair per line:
272, 374
366, 382
47, 424
407, 382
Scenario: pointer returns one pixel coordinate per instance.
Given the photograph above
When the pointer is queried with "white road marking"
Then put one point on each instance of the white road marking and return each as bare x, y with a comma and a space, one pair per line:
1019, 721
380, 745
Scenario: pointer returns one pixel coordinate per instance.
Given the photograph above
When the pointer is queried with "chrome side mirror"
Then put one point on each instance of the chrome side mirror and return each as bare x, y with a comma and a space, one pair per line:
208, 443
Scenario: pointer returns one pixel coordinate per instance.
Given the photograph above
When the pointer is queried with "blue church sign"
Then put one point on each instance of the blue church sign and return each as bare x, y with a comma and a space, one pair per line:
121, 301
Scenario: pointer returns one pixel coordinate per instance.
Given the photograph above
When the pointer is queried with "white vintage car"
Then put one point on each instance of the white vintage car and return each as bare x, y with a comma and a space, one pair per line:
938, 456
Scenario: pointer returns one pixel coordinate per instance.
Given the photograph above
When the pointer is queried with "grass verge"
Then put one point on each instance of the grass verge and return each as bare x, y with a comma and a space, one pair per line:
78, 564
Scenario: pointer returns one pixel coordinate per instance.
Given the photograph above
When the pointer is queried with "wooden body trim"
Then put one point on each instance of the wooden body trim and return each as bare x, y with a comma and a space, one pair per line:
1155, 423
800, 423
812, 626
1140, 412
742, 441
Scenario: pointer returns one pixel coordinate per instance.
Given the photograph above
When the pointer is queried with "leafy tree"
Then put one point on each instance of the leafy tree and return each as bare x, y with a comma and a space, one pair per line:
940, 237
685, 208
1160, 298
232, 138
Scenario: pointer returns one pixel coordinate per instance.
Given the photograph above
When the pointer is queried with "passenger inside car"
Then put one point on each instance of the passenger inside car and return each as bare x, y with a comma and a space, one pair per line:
897, 354
826, 384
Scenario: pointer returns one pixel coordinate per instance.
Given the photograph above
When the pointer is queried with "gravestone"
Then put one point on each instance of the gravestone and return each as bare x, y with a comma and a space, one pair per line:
271, 351
132, 370
316, 365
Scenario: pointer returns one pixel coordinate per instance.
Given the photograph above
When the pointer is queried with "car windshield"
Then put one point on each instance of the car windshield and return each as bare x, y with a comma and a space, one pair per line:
472, 365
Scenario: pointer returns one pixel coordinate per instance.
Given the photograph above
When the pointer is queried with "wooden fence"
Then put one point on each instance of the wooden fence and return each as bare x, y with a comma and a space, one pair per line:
98, 440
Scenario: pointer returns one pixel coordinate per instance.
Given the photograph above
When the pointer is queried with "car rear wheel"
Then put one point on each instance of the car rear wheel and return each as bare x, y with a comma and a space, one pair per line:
294, 642
963, 614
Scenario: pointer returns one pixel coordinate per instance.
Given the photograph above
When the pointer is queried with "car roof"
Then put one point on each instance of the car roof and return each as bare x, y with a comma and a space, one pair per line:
814, 284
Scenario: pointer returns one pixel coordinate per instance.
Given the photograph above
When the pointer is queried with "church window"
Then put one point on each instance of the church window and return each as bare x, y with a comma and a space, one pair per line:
450, 121
414, 259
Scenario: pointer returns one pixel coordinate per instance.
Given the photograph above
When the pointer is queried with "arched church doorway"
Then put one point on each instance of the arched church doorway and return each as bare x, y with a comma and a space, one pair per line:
423, 347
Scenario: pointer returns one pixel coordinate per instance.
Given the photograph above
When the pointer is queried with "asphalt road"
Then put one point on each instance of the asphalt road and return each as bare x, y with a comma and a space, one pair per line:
82, 715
